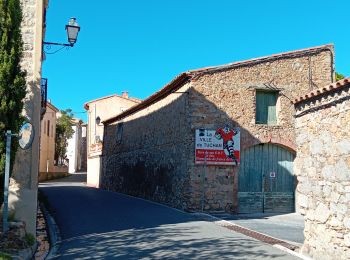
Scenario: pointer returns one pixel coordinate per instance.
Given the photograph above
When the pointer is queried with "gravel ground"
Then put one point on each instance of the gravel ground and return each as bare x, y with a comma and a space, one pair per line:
41, 237
14, 240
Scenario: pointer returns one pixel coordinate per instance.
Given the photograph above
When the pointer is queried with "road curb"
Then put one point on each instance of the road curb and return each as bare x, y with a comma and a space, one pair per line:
275, 242
54, 233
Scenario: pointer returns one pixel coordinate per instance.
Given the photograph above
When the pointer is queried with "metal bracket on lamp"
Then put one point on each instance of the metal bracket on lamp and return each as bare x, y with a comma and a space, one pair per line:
72, 29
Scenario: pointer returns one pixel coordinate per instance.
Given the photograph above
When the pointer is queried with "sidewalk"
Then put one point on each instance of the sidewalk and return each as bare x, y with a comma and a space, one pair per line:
288, 227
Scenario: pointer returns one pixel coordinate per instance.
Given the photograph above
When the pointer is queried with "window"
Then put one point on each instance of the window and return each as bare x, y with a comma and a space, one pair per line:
119, 133
266, 107
48, 127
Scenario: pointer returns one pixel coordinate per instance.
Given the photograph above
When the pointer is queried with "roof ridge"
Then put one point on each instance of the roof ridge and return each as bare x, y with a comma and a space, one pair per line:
109, 96
262, 59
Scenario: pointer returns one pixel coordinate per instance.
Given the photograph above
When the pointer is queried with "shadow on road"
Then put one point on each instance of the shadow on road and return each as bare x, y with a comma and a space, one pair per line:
99, 224
182, 241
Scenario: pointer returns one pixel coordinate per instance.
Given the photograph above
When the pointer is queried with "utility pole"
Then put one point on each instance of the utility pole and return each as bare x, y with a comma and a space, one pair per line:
6, 184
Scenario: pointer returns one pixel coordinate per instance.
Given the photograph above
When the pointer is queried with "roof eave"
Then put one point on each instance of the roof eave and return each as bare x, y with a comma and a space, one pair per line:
179, 81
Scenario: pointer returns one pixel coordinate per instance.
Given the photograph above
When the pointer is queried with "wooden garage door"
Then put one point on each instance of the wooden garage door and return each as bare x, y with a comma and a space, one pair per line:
266, 181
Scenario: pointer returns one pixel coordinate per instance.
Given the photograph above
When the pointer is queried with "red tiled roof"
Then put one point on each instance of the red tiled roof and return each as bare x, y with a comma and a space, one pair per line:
185, 76
317, 92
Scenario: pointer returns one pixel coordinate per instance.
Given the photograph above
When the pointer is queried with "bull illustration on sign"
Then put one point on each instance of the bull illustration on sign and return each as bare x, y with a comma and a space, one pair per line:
227, 135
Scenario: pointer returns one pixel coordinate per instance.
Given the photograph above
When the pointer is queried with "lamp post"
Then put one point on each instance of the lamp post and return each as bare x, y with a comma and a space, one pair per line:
25, 140
72, 29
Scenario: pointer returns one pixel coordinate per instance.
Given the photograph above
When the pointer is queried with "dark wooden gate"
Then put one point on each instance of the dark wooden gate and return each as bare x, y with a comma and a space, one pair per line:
266, 180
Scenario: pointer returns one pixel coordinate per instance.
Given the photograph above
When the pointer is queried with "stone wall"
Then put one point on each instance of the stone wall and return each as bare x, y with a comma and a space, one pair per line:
323, 169
227, 96
150, 159
156, 154
24, 182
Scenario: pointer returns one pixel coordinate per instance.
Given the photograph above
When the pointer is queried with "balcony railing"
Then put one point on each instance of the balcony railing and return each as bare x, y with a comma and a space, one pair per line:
43, 90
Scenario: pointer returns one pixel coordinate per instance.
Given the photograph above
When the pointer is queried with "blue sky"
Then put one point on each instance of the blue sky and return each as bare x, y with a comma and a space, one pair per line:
140, 45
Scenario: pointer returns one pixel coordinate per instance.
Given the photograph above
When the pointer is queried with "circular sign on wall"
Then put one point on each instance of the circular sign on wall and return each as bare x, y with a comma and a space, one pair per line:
26, 136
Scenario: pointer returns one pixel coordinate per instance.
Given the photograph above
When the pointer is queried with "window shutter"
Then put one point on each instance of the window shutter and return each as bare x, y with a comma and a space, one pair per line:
261, 111
271, 108
266, 107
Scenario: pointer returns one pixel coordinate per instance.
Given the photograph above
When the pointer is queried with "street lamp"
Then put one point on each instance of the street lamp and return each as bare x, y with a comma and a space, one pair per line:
72, 29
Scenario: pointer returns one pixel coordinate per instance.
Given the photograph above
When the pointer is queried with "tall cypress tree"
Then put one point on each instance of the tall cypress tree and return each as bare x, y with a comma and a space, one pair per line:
12, 77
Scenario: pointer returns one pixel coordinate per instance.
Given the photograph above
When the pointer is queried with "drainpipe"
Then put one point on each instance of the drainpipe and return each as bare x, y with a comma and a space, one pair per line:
332, 62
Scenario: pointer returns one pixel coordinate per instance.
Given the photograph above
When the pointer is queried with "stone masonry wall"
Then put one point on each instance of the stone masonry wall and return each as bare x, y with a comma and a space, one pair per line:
155, 158
24, 181
323, 169
227, 96
150, 161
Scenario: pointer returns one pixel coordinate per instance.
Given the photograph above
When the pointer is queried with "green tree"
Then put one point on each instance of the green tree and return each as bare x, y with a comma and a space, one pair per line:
64, 131
12, 77
339, 76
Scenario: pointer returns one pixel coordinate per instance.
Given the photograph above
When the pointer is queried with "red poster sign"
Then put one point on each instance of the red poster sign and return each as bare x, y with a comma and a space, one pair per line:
220, 147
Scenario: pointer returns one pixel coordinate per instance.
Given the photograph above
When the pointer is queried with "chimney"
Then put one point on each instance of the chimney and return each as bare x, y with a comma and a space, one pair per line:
125, 94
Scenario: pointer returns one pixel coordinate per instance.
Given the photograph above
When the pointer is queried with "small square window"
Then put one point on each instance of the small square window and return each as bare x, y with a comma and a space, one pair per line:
266, 107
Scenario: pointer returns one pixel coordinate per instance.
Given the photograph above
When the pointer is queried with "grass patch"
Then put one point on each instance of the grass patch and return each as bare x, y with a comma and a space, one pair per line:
4, 256
30, 239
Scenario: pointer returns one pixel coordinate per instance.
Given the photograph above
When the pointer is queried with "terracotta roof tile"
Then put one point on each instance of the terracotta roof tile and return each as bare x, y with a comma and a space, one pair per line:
323, 90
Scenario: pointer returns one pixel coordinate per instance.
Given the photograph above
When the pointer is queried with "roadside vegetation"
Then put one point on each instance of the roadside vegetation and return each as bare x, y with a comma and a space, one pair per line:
12, 78
64, 131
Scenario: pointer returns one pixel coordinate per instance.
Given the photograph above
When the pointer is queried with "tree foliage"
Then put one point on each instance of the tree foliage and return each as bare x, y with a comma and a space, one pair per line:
64, 131
339, 76
12, 77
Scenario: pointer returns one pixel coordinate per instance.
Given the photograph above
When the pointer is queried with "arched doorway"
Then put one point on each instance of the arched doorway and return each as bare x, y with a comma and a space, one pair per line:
266, 182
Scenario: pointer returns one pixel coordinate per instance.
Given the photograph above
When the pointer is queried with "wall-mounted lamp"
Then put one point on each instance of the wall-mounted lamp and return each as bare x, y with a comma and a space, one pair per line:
72, 29
98, 120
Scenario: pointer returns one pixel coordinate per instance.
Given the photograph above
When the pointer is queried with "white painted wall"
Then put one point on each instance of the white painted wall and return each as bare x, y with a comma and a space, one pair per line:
93, 172
72, 151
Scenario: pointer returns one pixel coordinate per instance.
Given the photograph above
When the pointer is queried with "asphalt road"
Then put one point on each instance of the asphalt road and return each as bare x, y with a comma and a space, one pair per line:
97, 224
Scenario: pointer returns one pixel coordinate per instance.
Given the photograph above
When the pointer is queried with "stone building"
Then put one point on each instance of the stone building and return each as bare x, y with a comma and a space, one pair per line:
150, 150
98, 110
323, 169
47, 139
24, 181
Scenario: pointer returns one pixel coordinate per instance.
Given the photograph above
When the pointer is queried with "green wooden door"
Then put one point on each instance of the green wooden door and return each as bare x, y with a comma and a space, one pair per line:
266, 180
